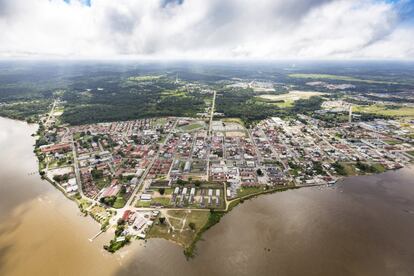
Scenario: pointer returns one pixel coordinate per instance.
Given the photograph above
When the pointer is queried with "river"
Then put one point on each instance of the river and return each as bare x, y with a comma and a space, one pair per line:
362, 226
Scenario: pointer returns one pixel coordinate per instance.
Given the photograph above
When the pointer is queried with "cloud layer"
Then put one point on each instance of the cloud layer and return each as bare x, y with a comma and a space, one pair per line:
206, 29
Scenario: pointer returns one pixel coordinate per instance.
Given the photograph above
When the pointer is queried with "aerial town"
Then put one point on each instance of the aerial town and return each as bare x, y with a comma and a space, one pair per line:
135, 176
207, 137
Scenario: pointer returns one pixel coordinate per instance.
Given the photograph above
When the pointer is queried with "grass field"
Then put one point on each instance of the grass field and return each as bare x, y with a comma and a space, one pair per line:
173, 93
161, 121
285, 104
180, 220
145, 78
349, 169
233, 120
164, 201
287, 100
291, 96
119, 202
337, 77
167, 191
102, 182
248, 191
58, 111
144, 204
192, 126
378, 167
397, 111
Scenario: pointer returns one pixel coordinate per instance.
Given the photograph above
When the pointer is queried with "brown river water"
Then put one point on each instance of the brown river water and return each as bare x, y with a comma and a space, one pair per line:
362, 226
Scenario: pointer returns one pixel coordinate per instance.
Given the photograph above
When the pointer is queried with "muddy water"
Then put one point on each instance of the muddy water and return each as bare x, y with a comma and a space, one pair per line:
41, 232
364, 226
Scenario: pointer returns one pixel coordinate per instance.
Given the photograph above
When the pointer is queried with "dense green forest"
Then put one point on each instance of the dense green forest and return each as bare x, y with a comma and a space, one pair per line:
125, 100
108, 91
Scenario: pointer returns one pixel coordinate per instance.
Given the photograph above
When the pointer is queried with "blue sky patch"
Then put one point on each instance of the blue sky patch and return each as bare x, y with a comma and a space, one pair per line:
85, 2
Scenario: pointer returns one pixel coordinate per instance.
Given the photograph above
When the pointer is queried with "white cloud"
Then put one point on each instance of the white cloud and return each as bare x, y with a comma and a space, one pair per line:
204, 29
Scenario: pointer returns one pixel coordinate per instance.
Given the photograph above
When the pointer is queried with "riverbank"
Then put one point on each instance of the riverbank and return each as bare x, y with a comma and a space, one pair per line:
43, 233
185, 196
215, 217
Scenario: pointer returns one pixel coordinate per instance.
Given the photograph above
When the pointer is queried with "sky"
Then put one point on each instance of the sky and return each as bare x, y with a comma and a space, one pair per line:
207, 29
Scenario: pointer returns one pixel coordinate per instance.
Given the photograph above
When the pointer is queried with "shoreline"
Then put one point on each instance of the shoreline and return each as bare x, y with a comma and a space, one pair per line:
214, 215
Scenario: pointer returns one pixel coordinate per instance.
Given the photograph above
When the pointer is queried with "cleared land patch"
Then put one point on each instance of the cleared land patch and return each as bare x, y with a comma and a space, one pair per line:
177, 226
193, 126
398, 111
287, 100
145, 78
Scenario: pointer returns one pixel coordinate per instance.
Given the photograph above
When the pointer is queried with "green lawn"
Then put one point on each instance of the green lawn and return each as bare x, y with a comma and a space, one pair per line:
378, 167
185, 236
192, 126
161, 121
164, 201
348, 168
119, 202
285, 104
102, 182
173, 93
249, 190
144, 204
168, 191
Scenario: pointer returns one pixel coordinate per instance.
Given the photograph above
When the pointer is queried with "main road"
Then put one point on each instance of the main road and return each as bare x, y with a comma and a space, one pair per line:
50, 113
213, 105
76, 165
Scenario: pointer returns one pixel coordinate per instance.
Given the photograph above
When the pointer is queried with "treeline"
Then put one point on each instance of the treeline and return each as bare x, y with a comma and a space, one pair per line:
119, 102
25, 110
239, 104
307, 105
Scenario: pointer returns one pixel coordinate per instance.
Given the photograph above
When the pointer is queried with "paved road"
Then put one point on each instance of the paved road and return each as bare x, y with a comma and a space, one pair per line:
136, 191
213, 105
50, 113
209, 132
76, 165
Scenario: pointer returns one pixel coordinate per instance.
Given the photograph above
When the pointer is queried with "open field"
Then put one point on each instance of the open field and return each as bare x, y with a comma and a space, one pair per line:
173, 93
337, 77
176, 227
145, 78
192, 126
285, 104
235, 134
378, 168
143, 204
287, 100
249, 190
119, 202
58, 111
233, 120
398, 111
348, 169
